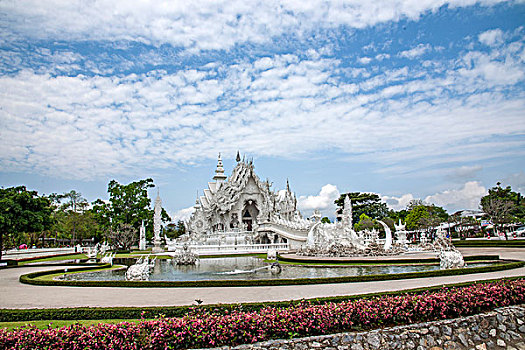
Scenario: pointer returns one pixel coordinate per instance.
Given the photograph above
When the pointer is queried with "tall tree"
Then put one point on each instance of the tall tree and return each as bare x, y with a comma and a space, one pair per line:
503, 205
74, 206
22, 211
363, 203
127, 204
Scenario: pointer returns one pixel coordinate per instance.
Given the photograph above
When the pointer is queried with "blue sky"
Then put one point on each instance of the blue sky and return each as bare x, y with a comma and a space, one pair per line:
408, 99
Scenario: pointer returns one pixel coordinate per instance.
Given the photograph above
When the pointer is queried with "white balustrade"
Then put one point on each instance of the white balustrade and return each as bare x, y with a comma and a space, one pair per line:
233, 248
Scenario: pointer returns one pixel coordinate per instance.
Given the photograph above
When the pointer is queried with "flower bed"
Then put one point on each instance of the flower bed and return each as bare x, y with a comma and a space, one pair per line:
208, 328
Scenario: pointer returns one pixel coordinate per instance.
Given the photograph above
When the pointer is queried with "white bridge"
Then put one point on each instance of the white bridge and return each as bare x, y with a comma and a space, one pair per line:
231, 248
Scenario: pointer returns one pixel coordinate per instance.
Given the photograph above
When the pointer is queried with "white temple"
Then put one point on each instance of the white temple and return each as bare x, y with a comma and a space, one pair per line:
241, 213
243, 210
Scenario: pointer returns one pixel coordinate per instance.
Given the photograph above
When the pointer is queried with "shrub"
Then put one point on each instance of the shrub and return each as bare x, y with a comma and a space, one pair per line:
209, 328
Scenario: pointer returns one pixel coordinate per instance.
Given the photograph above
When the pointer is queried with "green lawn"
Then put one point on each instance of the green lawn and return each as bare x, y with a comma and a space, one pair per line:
54, 258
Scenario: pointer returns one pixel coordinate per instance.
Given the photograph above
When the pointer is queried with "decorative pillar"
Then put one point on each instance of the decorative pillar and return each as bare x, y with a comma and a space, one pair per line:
142, 237
156, 225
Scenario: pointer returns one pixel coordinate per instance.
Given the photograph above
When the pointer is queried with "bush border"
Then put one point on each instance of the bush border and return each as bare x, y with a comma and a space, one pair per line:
30, 278
381, 262
490, 243
101, 313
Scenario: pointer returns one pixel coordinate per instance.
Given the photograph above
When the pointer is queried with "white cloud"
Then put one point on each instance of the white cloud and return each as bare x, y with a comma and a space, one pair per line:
324, 201
200, 25
466, 172
398, 203
416, 51
182, 214
364, 60
491, 37
88, 127
467, 197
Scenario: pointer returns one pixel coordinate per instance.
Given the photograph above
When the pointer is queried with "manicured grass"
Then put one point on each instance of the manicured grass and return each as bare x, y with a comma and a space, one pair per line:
54, 258
46, 324
51, 277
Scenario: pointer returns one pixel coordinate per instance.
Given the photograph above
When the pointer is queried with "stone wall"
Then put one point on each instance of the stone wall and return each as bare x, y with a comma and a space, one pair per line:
503, 328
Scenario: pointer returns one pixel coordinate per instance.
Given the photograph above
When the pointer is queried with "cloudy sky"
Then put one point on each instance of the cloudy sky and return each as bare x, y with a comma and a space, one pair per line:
408, 99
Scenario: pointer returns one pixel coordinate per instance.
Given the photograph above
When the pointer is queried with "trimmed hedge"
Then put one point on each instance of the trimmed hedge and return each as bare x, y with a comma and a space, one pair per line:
30, 278
383, 261
101, 313
491, 243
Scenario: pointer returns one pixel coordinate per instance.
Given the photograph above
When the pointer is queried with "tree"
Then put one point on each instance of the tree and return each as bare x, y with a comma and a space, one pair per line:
74, 208
365, 223
127, 204
123, 236
363, 203
503, 205
22, 211
130, 203
325, 220
175, 230
424, 216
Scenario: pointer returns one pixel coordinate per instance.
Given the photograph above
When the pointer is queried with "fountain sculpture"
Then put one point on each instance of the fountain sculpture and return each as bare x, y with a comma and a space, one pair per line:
185, 256
108, 258
141, 270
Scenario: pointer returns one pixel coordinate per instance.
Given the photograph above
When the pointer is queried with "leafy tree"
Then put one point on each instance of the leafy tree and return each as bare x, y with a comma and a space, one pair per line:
130, 203
363, 203
365, 223
503, 205
424, 216
325, 220
22, 211
398, 215
127, 204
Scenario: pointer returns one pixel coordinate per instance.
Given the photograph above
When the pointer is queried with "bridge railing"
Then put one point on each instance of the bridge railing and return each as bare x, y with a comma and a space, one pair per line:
233, 248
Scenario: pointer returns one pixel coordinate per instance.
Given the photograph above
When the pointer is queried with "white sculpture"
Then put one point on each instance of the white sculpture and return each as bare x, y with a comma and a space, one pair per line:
108, 259
185, 256
93, 251
141, 270
401, 233
156, 225
271, 254
142, 237
388, 240
451, 259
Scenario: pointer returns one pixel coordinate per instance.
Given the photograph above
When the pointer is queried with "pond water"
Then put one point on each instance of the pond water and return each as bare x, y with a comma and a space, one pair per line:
241, 268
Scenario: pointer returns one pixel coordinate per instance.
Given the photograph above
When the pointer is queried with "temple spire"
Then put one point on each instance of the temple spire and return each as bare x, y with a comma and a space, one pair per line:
219, 172
238, 158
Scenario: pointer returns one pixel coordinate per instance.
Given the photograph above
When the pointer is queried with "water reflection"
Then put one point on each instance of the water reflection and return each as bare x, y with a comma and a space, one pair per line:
221, 268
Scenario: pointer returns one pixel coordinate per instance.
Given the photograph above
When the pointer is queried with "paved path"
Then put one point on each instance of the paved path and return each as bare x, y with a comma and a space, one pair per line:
13, 294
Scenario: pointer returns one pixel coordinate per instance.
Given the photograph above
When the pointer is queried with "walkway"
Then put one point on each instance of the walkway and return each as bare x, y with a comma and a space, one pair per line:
13, 294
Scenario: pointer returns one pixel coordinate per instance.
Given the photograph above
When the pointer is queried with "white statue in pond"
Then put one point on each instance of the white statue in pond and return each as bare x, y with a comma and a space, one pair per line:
141, 270
108, 258
451, 259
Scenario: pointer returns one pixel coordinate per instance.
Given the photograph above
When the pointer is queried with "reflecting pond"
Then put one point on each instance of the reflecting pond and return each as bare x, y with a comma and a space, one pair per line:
242, 268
